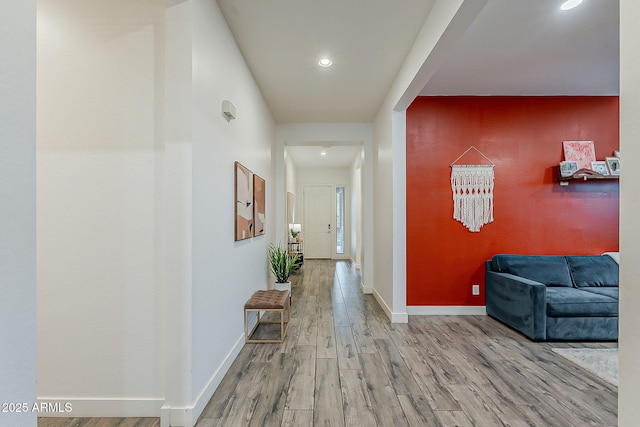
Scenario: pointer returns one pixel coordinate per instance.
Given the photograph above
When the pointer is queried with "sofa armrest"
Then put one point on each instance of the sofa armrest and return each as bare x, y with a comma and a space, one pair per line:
518, 302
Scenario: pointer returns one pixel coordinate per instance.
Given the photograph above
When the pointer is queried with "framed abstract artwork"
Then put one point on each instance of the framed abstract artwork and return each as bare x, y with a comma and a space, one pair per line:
259, 210
244, 202
582, 152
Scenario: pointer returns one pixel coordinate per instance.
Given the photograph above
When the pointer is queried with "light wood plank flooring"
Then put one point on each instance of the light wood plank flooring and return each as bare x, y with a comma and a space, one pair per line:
344, 364
98, 422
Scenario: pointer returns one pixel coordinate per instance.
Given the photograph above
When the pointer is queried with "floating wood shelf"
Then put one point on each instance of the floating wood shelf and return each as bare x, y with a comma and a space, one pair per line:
586, 175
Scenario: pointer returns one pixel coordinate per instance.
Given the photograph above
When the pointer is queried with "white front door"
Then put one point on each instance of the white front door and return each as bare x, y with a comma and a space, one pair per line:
317, 205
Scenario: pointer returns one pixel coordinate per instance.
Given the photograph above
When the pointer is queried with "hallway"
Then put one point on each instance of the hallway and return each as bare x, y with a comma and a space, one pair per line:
344, 364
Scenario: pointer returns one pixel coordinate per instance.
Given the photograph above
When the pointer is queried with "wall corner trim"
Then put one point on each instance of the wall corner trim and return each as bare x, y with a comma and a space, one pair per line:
188, 416
176, 417
366, 289
394, 317
399, 317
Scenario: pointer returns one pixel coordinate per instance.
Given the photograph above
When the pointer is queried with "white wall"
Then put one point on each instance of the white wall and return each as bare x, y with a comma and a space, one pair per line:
290, 174
17, 211
446, 21
290, 187
356, 209
225, 273
177, 183
629, 388
99, 126
141, 285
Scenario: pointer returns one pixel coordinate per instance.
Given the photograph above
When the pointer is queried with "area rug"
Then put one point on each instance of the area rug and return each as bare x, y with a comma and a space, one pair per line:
601, 361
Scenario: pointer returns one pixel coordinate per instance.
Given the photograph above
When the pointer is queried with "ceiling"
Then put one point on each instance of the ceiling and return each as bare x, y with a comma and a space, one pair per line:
526, 47
283, 40
513, 47
337, 156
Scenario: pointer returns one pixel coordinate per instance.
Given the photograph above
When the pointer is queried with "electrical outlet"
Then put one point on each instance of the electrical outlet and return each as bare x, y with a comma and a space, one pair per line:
475, 289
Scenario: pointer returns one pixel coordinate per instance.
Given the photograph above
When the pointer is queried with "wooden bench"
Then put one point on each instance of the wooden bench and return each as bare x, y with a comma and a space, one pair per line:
264, 302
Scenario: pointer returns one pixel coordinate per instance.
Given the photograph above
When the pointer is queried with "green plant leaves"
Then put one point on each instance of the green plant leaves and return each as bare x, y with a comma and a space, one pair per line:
281, 262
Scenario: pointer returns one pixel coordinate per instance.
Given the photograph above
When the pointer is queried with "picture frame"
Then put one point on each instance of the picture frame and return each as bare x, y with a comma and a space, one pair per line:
600, 166
568, 168
243, 191
582, 152
613, 163
259, 208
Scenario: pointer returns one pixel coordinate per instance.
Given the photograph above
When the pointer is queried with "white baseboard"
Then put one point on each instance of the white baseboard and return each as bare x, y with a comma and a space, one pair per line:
366, 289
188, 417
394, 317
383, 304
97, 407
217, 377
182, 417
400, 318
446, 310
102, 407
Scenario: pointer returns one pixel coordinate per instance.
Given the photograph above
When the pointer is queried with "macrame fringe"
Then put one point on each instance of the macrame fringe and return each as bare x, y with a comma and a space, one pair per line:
472, 195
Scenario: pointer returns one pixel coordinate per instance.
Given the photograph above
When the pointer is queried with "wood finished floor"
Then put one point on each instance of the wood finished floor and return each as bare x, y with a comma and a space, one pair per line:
344, 364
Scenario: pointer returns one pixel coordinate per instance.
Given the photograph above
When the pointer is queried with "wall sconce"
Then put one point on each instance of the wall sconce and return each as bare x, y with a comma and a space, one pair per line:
229, 110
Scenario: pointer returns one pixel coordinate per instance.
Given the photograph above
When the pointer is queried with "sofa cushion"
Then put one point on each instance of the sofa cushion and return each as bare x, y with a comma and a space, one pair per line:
582, 328
593, 270
610, 291
571, 302
550, 270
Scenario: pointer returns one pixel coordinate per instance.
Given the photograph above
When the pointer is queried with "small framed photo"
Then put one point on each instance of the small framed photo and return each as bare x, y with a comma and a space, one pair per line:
568, 168
600, 166
613, 163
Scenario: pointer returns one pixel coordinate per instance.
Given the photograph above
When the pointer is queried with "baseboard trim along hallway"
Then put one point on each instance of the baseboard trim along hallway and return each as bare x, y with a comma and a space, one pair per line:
448, 310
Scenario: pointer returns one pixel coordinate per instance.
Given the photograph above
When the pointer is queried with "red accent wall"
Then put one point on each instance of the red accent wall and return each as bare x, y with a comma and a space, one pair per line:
533, 214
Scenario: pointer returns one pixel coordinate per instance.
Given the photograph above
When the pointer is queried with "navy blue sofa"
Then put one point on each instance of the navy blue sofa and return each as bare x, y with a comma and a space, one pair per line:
564, 298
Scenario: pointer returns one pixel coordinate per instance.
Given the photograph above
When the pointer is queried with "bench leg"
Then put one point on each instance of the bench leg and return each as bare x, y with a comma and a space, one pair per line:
283, 325
247, 334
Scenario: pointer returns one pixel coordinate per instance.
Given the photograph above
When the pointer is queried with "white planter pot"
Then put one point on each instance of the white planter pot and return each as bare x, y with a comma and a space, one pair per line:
282, 286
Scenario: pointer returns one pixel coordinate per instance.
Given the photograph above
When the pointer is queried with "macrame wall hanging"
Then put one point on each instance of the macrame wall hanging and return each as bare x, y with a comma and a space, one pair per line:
472, 187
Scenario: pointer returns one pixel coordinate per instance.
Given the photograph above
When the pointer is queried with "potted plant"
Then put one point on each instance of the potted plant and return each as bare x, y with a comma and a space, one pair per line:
295, 235
281, 264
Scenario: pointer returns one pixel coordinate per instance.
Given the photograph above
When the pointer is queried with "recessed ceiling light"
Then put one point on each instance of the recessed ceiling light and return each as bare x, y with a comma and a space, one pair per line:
570, 4
325, 62
323, 153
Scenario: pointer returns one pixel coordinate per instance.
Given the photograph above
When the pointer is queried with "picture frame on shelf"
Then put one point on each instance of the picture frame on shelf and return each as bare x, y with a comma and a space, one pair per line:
582, 152
568, 168
600, 166
613, 163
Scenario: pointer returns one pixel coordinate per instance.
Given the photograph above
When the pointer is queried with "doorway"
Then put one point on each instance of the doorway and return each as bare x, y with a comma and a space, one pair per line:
317, 208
